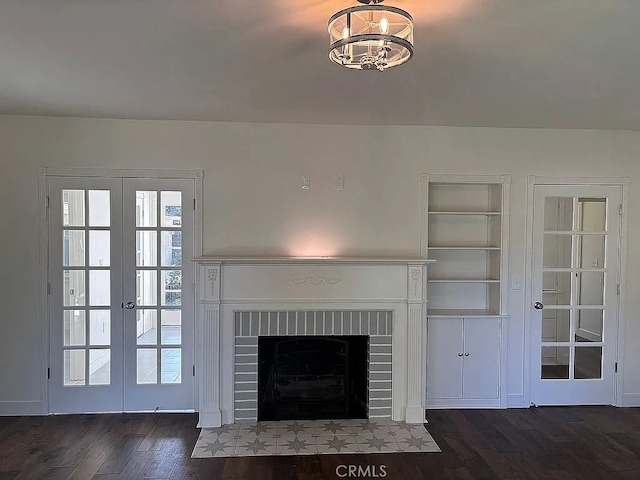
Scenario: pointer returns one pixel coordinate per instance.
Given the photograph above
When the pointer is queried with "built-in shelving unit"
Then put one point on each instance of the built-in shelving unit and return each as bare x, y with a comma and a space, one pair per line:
465, 231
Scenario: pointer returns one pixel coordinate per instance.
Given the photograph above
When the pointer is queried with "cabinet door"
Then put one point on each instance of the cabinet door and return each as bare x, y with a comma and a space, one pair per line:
444, 367
482, 364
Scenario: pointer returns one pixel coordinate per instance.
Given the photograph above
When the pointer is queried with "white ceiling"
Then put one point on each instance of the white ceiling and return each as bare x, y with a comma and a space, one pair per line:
504, 63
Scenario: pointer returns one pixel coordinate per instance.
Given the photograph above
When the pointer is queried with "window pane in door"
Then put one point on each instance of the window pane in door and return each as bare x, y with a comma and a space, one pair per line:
556, 251
558, 213
588, 362
100, 366
73, 248
99, 288
99, 248
146, 208
171, 287
171, 365
147, 287
74, 294
147, 327
73, 208
147, 366
171, 209
590, 288
74, 328
100, 327
171, 248
555, 363
99, 208
556, 325
589, 325
171, 327
146, 248
74, 367
556, 288
591, 249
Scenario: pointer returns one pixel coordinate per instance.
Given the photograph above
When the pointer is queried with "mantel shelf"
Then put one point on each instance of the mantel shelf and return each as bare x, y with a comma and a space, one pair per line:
251, 260
467, 212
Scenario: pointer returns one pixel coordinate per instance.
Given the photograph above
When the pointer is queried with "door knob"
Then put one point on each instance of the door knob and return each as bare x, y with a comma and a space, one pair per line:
129, 305
459, 354
538, 305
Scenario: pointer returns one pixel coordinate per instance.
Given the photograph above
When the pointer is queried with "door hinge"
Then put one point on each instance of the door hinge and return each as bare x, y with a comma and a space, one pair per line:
48, 373
616, 367
194, 370
618, 289
46, 201
194, 203
620, 209
48, 289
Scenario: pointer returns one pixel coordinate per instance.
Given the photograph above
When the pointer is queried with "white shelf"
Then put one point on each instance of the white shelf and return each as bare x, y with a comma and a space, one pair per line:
464, 280
469, 212
449, 247
461, 312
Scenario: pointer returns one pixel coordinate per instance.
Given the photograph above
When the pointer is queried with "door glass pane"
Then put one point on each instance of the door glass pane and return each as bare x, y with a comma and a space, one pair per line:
171, 365
100, 327
99, 248
99, 366
99, 288
146, 248
171, 209
147, 327
589, 325
73, 248
556, 288
555, 362
592, 214
172, 248
74, 328
556, 251
588, 362
590, 288
73, 288
147, 287
147, 366
591, 250
74, 367
558, 213
73, 208
171, 287
171, 327
146, 208
99, 208
555, 325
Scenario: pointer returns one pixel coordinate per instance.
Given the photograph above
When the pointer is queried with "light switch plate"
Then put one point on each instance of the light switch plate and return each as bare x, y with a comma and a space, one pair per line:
306, 182
339, 182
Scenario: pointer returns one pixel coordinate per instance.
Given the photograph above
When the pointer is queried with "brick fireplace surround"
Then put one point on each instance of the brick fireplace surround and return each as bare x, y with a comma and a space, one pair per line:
242, 298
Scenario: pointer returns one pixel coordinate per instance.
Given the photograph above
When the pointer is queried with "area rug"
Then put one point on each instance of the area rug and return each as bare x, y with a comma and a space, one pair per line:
313, 437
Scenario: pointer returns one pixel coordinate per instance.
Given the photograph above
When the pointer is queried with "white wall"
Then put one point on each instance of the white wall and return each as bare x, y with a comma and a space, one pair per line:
253, 203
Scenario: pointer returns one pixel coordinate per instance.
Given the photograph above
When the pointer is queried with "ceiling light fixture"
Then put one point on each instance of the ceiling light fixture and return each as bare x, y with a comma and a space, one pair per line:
371, 36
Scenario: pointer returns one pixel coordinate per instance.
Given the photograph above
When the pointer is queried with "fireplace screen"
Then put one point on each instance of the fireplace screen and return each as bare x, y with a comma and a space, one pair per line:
312, 377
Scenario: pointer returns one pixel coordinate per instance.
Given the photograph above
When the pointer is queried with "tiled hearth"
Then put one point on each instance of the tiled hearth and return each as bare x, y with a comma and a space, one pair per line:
243, 298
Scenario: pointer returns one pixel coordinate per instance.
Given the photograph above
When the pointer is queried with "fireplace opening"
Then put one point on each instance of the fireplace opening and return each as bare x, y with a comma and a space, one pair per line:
312, 377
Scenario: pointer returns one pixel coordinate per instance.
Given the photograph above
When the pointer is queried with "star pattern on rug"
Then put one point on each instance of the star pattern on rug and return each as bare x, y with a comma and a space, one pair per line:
296, 445
255, 446
414, 442
258, 428
296, 428
216, 446
337, 443
377, 443
332, 427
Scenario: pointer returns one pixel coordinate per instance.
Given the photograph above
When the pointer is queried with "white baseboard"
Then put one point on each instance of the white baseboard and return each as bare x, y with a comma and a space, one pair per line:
630, 400
30, 407
517, 401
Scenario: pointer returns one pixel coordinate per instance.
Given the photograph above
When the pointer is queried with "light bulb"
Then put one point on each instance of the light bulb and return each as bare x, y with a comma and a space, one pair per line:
345, 32
384, 25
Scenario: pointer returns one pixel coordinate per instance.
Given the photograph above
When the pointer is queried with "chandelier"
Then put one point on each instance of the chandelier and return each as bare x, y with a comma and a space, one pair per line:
370, 36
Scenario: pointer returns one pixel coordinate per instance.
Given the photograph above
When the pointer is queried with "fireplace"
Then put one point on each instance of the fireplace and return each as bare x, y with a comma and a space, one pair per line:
247, 305
312, 377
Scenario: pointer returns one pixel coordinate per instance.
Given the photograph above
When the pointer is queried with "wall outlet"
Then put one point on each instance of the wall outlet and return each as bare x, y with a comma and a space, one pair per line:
339, 182
306, 182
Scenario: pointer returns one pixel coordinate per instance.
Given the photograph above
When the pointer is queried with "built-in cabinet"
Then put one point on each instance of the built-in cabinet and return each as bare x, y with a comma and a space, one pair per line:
465, 229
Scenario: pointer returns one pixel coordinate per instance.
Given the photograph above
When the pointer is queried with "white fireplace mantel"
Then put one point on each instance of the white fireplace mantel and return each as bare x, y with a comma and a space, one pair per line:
226, 285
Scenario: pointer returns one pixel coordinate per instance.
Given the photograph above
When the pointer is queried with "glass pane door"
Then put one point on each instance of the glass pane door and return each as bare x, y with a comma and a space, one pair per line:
85, 278
575, 293
158, 293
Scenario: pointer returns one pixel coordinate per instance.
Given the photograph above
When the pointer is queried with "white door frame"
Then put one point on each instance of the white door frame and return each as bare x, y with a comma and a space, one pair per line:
43, 233
623, 183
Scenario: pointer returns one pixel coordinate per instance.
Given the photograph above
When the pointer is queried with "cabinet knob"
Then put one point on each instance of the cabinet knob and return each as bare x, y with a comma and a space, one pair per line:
466, 354
459, 354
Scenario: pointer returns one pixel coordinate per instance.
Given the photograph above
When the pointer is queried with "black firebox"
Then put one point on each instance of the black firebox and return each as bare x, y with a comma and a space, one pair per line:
312, 377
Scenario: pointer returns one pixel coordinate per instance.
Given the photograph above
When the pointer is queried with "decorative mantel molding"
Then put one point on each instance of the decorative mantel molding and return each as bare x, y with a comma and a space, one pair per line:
230, 284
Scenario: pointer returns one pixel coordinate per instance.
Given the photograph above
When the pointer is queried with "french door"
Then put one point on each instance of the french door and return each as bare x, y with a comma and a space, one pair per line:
121, 303
575, 275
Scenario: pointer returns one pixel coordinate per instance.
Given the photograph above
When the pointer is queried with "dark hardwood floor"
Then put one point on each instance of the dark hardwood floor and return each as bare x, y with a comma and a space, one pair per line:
541, 443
